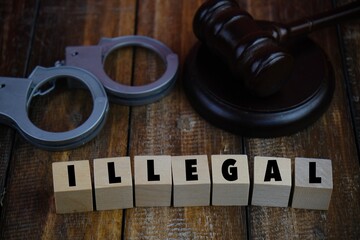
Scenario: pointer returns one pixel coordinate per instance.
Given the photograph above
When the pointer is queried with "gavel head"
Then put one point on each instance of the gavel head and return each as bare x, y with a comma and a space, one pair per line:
251, 53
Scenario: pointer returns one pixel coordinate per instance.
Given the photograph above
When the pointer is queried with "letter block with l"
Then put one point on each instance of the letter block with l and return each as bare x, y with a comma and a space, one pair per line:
153, 181
313, 183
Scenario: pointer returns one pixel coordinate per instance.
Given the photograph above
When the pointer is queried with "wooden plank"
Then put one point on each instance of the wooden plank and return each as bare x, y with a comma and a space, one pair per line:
331, 137
350, 43
29, 205
15, 39
172, 127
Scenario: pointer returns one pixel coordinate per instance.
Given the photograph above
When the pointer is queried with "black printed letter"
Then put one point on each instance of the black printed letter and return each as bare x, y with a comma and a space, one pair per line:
191, 169
272, 171
312, 173
151, 175
229, 173
71, 175
111, 172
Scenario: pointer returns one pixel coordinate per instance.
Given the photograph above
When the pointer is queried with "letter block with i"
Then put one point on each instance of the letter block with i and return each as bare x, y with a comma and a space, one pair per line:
191, 179
113, 183
272, 182
153, 181
313, 183
231, 181
72, 186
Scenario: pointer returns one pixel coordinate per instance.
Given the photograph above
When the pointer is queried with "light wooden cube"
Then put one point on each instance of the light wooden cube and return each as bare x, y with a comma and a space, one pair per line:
312, 190
191, 180
113, 183
72, 186
230, 180
153, 181
274, 192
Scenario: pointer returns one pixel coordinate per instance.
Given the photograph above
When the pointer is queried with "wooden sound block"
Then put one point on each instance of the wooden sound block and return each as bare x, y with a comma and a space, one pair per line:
313, 183
153, 181
221, 99
272, 181
113, 183
72, 186
191, 179
230, 180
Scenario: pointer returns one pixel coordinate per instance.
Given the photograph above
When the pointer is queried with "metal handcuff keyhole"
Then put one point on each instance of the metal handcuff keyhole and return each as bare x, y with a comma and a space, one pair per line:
85, 64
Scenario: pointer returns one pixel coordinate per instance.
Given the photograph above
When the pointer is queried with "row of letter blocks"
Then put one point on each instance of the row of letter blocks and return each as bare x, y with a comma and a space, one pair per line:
183, 181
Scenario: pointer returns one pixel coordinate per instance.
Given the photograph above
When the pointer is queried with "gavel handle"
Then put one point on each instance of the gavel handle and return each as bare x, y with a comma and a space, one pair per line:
304, 26
324, 19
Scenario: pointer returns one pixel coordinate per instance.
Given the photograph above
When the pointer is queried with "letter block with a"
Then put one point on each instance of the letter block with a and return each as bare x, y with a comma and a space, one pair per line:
231, 182
72, 186
272, 181
313, 183
153, 181
113, 183
191, 180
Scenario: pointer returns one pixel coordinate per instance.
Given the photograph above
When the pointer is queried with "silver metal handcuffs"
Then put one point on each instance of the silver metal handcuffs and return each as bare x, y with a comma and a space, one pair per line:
92, 59
84, 63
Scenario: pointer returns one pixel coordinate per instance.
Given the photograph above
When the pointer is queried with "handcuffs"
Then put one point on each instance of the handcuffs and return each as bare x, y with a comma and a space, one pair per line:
85, 64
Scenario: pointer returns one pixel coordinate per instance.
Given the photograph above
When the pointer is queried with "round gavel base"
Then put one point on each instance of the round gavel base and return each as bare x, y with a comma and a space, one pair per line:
223, 101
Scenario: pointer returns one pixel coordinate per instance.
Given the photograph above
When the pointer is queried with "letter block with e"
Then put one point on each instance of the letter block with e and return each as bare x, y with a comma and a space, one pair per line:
72, 186
230, 180
191, 178
272, 181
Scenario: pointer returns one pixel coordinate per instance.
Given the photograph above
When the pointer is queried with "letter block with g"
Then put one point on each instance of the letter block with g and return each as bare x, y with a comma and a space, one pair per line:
231, 182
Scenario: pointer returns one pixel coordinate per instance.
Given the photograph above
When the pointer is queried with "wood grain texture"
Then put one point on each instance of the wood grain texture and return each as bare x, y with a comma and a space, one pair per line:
15, 36
349, 37
169, 126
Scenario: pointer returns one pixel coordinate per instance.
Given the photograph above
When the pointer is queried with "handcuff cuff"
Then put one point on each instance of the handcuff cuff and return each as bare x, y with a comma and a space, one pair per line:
85, 64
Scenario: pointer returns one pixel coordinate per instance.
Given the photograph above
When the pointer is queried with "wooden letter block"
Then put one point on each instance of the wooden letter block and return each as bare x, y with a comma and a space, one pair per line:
313, 183
230, 180
72, 186
191, 180
113, 183
272, 181
153, 181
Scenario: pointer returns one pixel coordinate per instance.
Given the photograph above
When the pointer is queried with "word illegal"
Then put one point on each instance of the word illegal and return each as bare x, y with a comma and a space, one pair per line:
185, 181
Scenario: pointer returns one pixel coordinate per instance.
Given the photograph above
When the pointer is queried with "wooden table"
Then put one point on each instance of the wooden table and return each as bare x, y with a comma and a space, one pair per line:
35, 32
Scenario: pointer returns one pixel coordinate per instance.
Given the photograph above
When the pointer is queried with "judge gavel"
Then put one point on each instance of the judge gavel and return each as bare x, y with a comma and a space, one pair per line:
252, 49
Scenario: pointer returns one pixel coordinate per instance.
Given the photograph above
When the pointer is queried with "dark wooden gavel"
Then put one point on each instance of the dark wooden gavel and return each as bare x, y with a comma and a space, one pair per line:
252, 49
